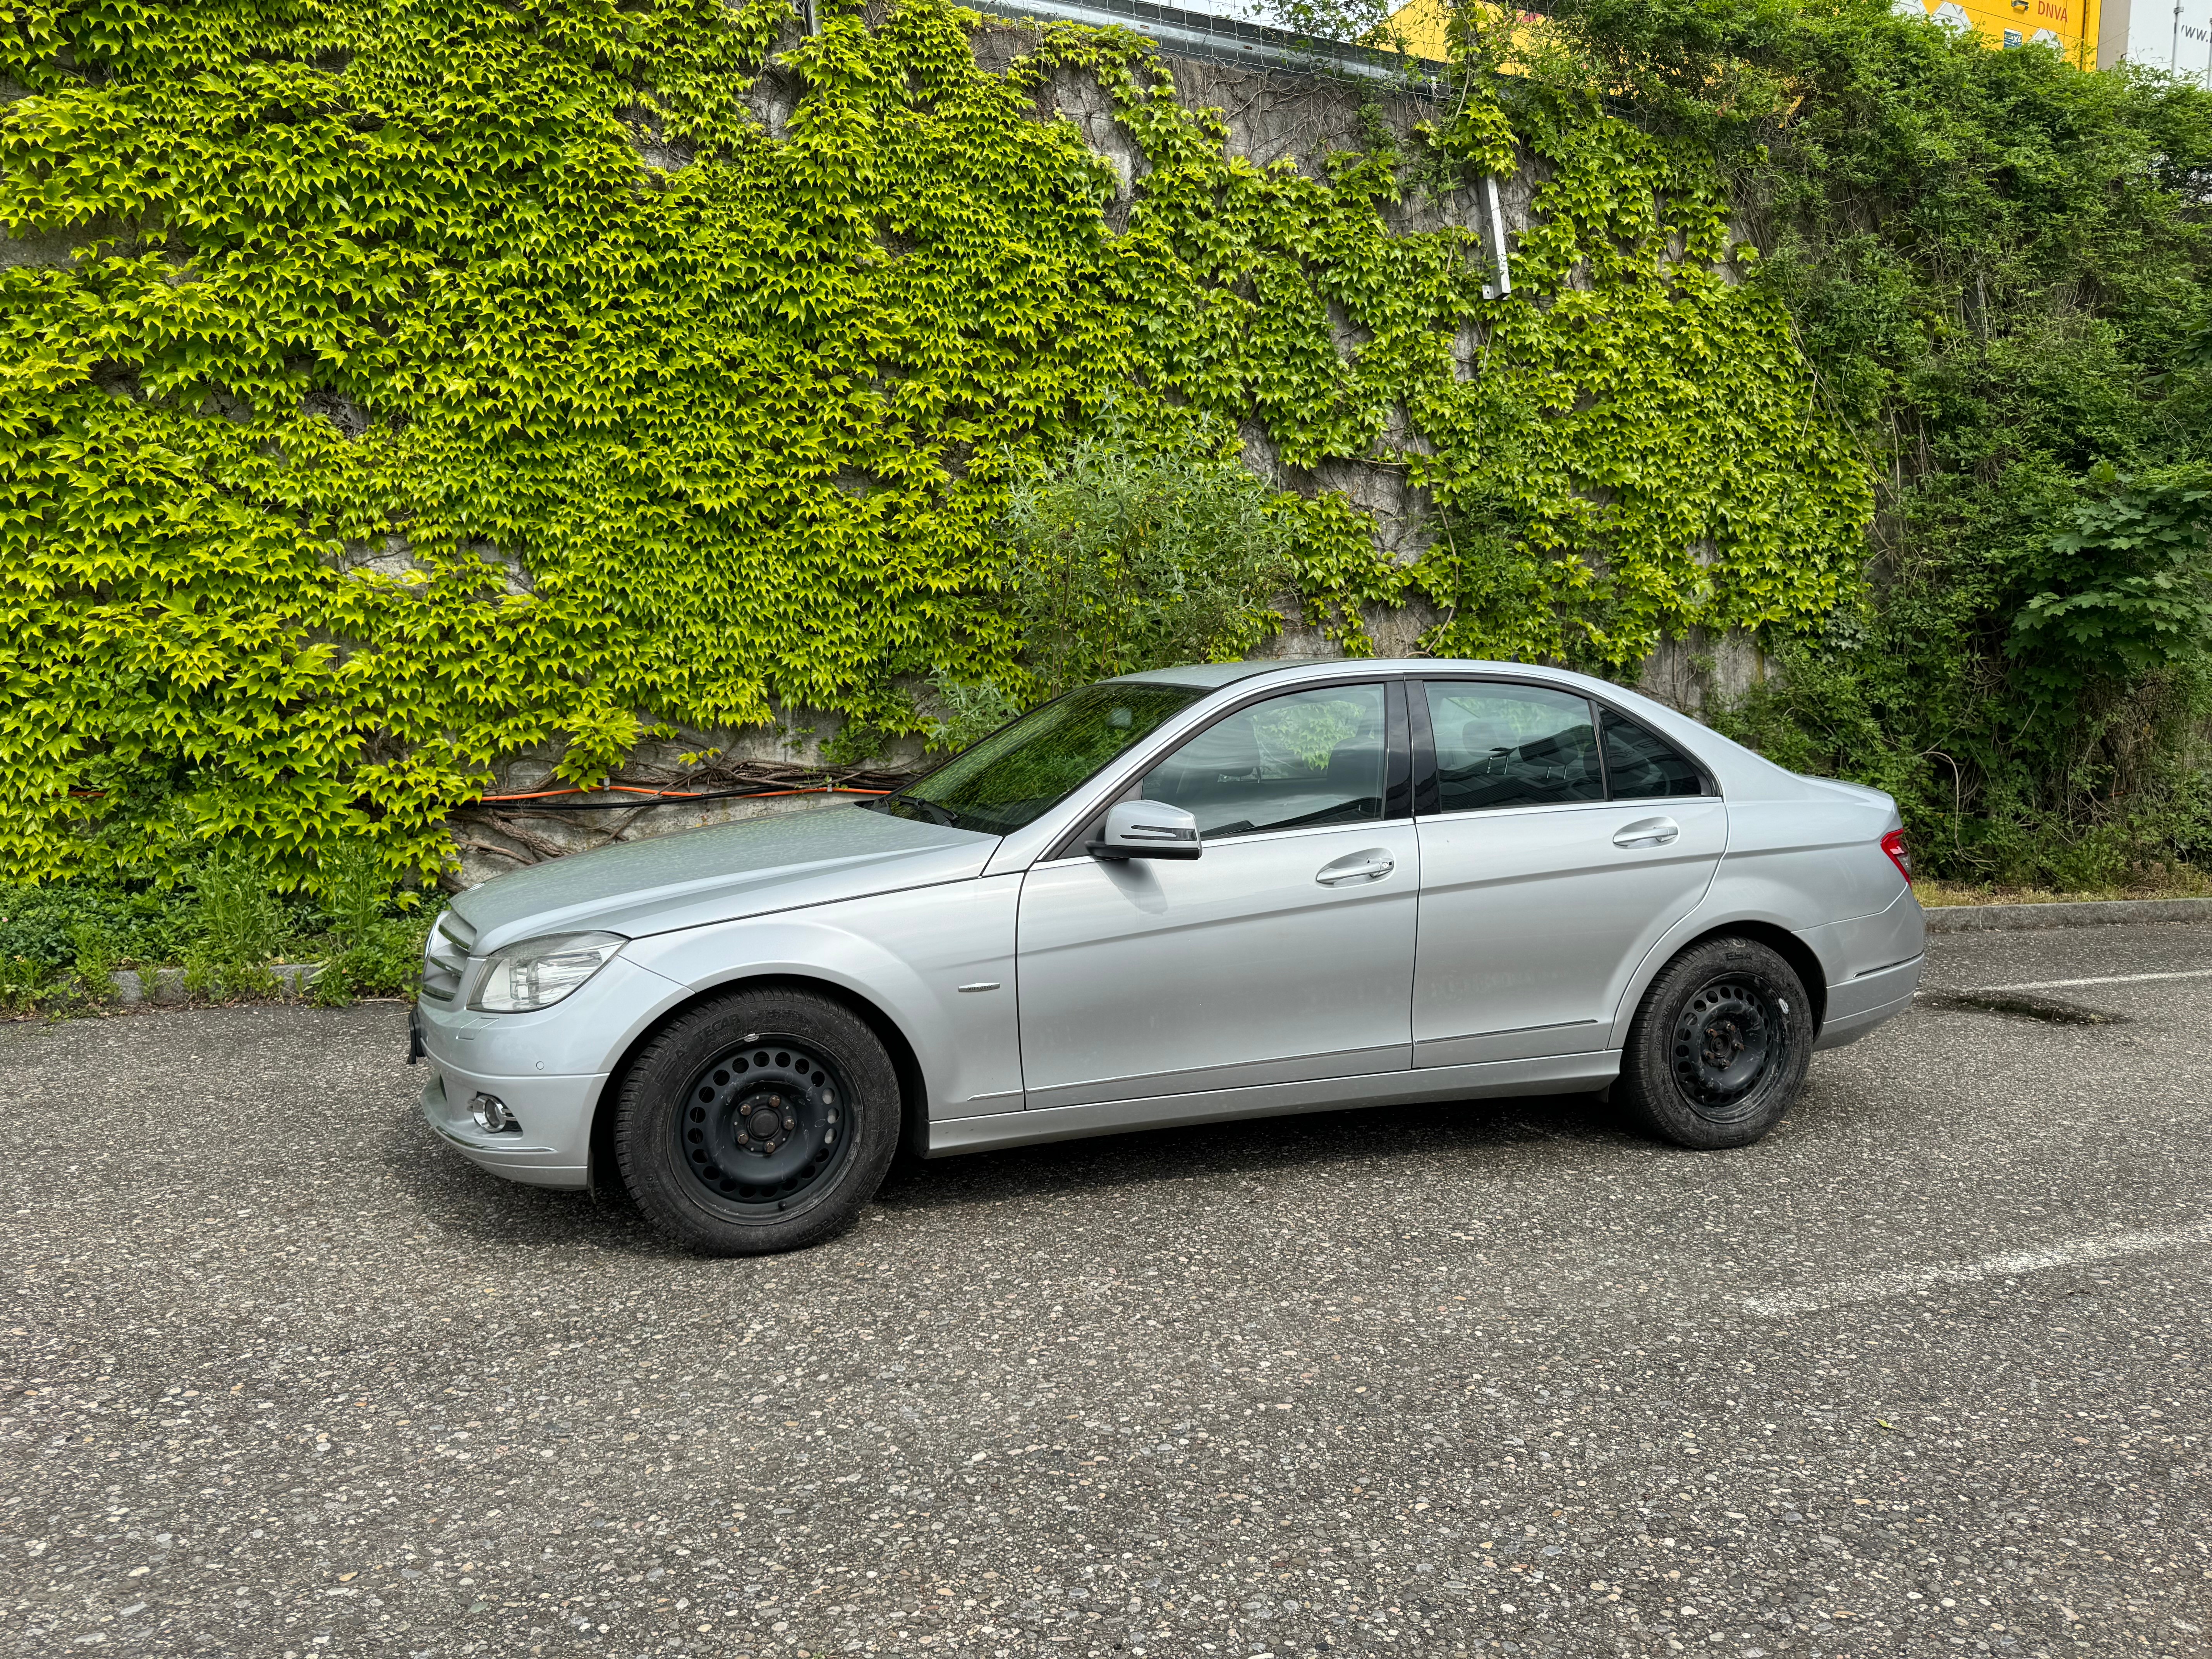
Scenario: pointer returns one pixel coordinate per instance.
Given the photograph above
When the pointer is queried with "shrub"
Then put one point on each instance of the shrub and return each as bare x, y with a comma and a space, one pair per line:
973, 710
1126, 558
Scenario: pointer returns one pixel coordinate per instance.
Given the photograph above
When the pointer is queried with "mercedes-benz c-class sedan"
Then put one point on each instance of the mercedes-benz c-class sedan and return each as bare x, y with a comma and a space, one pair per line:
1175, 897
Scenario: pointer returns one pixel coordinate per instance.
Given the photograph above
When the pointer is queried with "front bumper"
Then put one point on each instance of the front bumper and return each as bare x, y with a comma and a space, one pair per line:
549, 1068
550, 1145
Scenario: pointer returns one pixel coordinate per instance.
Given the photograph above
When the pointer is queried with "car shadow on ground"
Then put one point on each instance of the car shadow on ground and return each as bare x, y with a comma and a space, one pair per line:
1349, 1138
456, 1197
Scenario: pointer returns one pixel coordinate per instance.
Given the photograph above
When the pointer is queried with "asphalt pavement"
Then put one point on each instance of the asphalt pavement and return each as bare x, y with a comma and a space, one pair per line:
1923, 1373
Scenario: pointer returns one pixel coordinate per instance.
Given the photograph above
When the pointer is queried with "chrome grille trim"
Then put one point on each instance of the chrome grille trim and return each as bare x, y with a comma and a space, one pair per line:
446, 958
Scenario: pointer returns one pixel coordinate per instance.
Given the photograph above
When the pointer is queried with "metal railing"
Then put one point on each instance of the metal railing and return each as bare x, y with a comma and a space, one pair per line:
1229, 40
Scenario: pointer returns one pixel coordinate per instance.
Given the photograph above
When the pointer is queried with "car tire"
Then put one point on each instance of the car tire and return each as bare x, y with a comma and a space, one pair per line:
758, 1121
1718, 1049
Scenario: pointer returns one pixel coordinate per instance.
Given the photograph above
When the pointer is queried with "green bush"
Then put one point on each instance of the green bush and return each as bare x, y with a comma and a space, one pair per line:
23, 981
95, 959
44, 925
2123, 595
972, 711
1999, 269
226, 924
240, 924
1126, 558
379, 935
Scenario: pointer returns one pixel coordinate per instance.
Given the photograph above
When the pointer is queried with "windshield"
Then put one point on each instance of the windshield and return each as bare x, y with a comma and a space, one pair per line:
1022, 770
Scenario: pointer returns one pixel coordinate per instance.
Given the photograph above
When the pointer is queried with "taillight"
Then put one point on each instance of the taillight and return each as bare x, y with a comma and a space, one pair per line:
1894, 844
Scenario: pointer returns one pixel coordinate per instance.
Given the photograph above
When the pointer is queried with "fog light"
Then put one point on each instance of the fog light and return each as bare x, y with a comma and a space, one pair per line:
490, 1112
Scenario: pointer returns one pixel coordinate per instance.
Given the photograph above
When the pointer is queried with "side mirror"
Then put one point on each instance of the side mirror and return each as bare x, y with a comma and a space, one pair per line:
1147, 829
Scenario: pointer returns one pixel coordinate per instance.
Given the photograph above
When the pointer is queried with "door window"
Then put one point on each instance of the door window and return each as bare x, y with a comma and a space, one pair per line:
1641, 767
1311, 757
1511, 745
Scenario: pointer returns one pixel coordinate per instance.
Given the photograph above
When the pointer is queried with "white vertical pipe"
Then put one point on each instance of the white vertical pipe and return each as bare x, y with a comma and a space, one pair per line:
1498, 239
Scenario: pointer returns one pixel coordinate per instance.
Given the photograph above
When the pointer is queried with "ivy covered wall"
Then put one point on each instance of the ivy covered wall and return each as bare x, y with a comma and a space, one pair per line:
390, 387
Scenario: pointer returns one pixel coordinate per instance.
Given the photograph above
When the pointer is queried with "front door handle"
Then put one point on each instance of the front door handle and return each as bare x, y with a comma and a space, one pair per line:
1647, 832
1371, 865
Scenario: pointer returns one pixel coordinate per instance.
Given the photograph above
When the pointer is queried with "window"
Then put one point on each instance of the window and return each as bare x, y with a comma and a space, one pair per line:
1640, 766
1311, 757
1022, 770
1511, 745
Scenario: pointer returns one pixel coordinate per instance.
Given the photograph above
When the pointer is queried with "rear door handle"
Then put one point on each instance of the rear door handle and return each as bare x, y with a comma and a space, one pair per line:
1356, 866
1647, 832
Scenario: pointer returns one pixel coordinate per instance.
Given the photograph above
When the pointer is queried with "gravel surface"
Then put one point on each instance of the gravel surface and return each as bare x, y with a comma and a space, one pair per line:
1921, 1373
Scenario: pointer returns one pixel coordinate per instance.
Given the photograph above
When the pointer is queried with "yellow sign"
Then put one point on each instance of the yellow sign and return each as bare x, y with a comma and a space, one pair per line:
1418, 28
2068, 25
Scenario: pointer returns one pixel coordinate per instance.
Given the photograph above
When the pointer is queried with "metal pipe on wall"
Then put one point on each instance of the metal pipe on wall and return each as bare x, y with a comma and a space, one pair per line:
1505, 284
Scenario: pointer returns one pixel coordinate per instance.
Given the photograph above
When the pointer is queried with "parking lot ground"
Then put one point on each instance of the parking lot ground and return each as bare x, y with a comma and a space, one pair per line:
1923, 1373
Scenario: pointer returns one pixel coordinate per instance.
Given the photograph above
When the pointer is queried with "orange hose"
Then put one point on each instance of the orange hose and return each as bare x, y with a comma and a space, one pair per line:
622, 789
611, 789
679, 795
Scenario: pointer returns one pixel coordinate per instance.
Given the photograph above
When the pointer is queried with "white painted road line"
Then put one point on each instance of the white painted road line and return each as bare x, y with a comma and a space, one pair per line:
1904, 1281
2109, 979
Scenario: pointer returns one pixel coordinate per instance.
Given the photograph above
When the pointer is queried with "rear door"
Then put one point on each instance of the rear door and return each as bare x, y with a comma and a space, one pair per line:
1284, 953
1559, 841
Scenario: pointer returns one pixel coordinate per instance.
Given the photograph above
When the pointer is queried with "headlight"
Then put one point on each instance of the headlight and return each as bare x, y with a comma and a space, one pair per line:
538, 972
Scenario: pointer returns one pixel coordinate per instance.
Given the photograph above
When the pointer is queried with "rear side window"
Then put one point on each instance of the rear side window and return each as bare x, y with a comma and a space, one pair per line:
1642, 767
1511, 745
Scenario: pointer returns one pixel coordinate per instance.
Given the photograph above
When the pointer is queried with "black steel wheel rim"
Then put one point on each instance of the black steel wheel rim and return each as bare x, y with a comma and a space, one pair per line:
1727, 1039
764, 1124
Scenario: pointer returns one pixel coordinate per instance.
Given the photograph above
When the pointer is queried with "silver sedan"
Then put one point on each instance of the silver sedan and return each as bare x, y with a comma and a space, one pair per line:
1175, 897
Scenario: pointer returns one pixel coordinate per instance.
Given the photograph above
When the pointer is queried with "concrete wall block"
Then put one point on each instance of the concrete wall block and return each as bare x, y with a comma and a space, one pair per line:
134, 987
1703, 669
130, 988
2095, 913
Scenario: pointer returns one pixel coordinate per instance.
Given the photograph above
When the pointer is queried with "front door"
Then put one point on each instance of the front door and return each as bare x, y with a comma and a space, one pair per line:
1541, 887
1284, 953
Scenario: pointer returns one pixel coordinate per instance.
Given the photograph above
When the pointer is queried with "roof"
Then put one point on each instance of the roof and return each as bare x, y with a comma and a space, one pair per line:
1212, 675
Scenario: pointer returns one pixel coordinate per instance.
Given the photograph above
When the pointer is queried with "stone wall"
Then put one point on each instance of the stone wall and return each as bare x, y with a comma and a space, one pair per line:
1272, 115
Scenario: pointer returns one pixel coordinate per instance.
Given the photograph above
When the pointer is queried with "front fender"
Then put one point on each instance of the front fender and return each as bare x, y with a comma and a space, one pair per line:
907, 955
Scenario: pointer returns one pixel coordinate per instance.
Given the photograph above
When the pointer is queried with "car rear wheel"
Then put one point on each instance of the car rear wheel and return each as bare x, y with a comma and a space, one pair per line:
1718, 1049
761, 1121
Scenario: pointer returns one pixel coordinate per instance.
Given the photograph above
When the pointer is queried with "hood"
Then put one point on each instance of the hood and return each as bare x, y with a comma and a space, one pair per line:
815, 856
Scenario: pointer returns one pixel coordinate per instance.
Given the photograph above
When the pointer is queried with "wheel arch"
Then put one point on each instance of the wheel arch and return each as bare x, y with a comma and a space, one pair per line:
913, 1094
1783, 943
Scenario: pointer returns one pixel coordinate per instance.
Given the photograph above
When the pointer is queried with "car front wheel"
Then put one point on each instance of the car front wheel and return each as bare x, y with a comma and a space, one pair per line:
1718, 1049
760, 1121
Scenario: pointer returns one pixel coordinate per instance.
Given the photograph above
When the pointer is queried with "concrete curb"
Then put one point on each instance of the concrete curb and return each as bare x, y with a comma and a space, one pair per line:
167, 987
2098, 913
